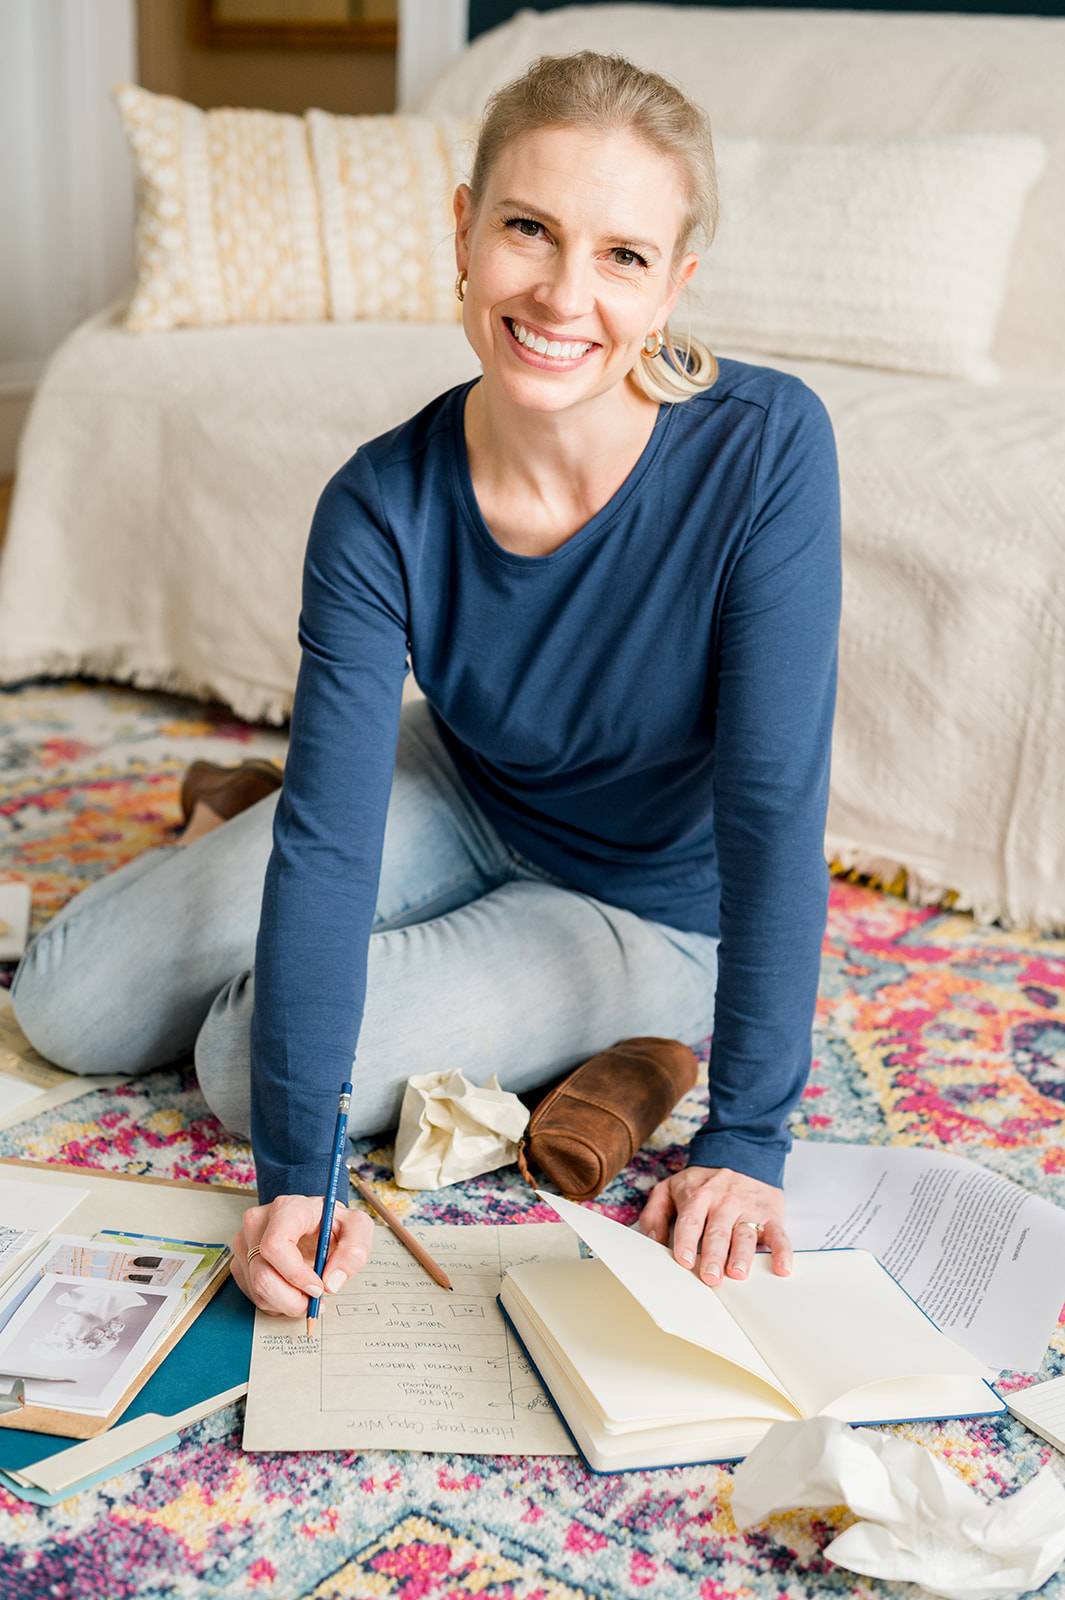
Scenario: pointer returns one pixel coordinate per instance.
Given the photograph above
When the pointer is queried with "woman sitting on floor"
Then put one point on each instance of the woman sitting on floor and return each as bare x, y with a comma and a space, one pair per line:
615, 567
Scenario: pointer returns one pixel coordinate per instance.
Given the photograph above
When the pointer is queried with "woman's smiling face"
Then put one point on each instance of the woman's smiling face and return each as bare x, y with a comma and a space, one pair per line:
572, 243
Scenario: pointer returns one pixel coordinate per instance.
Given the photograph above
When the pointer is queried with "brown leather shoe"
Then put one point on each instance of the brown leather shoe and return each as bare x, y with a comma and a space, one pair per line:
228, 790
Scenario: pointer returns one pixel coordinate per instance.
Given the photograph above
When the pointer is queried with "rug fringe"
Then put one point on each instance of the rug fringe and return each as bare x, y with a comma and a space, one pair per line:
247, 701
919, 889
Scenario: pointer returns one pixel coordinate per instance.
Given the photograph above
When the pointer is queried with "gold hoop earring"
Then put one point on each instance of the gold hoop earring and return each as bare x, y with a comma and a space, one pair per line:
656, 334
460, 286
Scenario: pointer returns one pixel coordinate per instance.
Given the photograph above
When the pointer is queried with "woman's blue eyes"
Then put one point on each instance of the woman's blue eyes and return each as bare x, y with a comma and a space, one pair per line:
511, 222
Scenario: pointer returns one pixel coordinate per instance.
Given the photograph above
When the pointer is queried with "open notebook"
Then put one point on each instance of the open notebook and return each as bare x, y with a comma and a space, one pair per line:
650, 1367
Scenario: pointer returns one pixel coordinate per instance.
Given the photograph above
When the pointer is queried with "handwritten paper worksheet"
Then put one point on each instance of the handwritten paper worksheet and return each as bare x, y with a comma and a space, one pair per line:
400, 1364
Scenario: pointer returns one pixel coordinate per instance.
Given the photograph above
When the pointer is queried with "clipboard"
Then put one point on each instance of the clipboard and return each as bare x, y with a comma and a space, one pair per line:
131, 1203
206, 1370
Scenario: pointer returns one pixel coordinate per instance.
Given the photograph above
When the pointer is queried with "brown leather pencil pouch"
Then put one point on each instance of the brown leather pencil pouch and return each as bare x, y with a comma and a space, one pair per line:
591, 1124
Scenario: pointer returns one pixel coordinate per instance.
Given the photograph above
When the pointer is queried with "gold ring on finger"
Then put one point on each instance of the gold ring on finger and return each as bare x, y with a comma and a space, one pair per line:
757, 1226
252, 1253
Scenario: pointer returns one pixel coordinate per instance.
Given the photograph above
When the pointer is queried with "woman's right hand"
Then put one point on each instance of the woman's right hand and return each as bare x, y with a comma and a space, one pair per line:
281, 1278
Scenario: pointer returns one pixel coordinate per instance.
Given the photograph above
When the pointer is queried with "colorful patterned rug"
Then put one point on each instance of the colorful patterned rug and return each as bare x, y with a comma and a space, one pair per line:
930, 1031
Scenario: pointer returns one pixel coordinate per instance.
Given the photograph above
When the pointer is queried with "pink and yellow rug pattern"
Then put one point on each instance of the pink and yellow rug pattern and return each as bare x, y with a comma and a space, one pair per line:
930, 1031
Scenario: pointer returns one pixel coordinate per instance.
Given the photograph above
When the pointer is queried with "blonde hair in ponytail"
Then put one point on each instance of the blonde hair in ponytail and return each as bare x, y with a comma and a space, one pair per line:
588, 89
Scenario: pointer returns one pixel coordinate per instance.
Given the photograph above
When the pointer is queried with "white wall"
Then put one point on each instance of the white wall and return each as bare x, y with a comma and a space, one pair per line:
431, 32
66, 182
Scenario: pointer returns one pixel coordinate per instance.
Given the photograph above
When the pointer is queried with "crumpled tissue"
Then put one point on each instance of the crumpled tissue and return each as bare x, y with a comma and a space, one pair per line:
921, 1524
450, 1129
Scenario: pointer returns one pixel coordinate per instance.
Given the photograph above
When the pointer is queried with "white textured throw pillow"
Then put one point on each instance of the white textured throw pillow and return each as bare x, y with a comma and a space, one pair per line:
227, 223
884, 253
385, 186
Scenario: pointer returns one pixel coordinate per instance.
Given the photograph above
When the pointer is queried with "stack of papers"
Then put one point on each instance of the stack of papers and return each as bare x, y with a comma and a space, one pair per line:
85, 1316
186, 1344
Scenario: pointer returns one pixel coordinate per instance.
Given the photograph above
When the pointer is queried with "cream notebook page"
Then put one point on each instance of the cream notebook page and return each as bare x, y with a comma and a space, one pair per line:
837, 1323
610, 1449
398, 1363
626, 1371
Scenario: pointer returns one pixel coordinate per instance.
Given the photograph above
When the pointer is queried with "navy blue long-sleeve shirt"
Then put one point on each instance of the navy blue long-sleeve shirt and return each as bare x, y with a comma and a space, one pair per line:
646, 712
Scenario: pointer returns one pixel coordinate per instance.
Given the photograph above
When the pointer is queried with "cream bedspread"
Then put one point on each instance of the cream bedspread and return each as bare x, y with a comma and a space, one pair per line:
165, 484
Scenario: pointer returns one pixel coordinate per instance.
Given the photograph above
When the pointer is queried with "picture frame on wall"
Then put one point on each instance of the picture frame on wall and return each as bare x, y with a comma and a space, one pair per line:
297, 24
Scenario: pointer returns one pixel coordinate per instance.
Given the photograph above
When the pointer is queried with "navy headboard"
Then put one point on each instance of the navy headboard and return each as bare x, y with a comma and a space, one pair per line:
485, 14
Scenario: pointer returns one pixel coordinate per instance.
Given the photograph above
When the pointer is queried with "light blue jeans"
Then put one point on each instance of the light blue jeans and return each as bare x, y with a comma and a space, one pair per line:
477, 959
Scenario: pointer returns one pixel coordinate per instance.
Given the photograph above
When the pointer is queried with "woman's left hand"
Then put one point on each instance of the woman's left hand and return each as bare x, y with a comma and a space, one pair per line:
704, 1204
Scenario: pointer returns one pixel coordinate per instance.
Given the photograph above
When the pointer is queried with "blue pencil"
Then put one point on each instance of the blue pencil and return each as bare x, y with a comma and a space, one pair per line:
336, 1167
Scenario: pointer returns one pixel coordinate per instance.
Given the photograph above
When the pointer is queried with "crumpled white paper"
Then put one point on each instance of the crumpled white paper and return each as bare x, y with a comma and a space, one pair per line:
450, 1129
921, 1524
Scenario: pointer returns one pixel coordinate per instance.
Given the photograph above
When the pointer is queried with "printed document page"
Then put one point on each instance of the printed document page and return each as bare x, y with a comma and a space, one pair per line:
397, 1363
984, 1258
27, 1213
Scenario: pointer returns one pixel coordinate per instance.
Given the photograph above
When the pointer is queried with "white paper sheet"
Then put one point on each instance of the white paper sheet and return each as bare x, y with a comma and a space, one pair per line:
1041, 1407
15, 1242
14, 920
29, 1211
28, 1083
984, 1258
16, 1092
398, 1363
